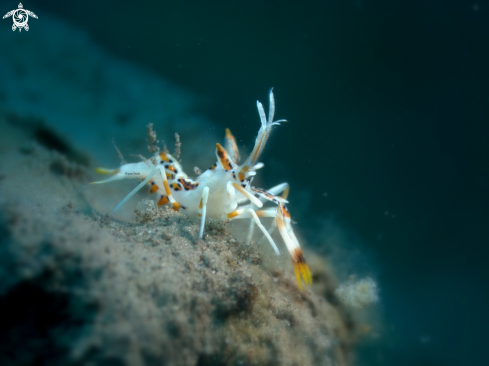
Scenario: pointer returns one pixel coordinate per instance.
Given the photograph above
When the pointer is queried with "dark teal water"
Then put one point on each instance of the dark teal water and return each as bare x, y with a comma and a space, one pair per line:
388, 103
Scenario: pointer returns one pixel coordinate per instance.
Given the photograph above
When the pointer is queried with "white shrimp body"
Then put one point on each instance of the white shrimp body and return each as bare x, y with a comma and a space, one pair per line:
218, 201
222, 191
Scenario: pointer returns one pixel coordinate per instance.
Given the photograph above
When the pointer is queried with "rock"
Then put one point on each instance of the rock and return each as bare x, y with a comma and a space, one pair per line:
83, 289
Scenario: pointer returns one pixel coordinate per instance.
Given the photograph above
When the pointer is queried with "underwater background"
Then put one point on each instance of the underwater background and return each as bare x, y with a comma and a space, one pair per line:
387, 139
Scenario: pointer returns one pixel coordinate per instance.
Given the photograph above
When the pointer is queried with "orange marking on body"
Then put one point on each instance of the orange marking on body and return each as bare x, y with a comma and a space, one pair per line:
264, 193
298, 256
163, 201
306, 274
153, 189
223, 157
187, 185
170, 176
171, 168
301, 269
176, 187
201, 204
255, 155
231, 144
107, 171
284, 211
176, 206
167, 188
232, 214
297, 275
164, 157
241, 173
221, 153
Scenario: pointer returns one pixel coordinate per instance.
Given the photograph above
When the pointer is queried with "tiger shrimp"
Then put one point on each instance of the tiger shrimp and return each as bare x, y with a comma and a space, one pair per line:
222, 191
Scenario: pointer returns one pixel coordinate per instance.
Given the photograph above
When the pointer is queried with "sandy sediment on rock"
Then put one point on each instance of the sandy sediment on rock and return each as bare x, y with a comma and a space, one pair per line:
83, 289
